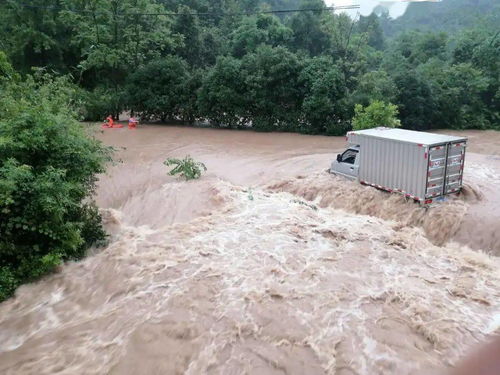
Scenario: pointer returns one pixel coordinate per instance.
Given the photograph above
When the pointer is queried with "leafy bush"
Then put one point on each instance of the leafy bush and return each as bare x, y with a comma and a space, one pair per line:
376, 114
187, 168
48, 168
221, 98
100, 103
324, 108
159, 89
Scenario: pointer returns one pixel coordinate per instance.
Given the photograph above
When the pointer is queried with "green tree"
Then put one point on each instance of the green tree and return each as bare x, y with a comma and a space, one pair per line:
222, 98
257, 30
309, 33
34, 36
417, 48
187, 25
48, 169
115, 40
376, 114
273, 92
485, 59
6, 71
158, 89
415, 100
375, 85
324, 109
187, 168
349, 49
458, 91
370, 26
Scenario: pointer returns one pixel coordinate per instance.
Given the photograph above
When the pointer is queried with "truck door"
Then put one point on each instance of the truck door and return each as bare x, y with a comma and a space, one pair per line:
454, 167
348, 163
436, 172
445, 169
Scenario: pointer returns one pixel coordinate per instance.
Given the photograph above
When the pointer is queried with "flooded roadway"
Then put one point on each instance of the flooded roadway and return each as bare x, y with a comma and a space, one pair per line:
266, 265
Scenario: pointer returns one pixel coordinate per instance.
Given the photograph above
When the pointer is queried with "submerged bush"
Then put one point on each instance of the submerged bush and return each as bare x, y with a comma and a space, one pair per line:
187, 168
48, 168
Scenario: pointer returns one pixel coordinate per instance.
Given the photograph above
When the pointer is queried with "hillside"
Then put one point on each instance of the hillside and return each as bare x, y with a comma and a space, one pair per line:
449, 16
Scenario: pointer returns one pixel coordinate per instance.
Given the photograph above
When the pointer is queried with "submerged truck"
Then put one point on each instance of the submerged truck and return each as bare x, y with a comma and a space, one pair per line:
421, 166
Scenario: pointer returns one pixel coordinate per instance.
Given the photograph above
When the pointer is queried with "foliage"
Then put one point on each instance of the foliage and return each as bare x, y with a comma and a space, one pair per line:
159, 90
323, 106
222, 98
271, 78
374, 85
450, 16
225, 63
370, 26
309, 32
458, 91
376, 114
48, 168
257, 30
187, 168
99, 103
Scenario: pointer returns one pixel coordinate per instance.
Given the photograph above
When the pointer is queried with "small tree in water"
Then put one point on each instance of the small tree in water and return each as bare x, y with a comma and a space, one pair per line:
187, 168
376, 114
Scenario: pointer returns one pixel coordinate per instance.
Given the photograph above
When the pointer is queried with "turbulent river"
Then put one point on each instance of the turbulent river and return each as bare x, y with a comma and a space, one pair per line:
266, 265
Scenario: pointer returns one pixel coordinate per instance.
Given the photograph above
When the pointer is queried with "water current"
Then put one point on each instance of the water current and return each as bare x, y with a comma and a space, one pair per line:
266, 265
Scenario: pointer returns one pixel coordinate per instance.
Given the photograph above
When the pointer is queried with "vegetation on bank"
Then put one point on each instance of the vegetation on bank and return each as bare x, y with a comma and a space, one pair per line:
303, 71
375, 114
48, 168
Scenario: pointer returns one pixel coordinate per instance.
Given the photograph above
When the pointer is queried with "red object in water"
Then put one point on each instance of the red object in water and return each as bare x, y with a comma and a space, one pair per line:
110, 124
132, 123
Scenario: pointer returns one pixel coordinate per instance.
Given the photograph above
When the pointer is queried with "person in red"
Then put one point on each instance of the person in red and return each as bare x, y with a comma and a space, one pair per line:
132, 123
108, 123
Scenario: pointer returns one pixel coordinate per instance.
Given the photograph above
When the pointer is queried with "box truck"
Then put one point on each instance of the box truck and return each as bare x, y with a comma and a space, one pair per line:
422, 166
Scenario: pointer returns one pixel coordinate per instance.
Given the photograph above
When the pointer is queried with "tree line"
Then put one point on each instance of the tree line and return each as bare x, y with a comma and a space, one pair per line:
201, 60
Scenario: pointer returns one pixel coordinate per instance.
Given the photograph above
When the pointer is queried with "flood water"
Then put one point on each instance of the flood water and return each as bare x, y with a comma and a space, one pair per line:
266, 265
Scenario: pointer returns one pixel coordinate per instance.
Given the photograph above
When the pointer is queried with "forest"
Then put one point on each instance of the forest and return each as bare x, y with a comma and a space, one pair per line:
235, 63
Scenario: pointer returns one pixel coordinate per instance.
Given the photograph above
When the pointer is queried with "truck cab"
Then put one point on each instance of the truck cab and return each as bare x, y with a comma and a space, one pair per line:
347, 163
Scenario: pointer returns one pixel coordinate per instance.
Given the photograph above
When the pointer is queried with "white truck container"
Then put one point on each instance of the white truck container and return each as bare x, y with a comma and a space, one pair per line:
422, 166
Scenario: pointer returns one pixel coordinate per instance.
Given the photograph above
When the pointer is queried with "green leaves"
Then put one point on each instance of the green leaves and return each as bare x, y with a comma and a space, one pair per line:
376, 114
301, 71
271, 79
48, 168
323, 107
258, 30
187, 168
159, 89
222, 98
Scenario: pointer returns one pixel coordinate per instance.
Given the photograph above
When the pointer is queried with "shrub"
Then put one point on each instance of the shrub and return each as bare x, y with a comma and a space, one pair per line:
376, 114
187, 168
100, 103
48, 168
159, 90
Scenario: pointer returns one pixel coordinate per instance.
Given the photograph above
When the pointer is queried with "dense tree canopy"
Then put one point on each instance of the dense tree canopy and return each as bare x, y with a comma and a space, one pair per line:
376, 114
48, 168
232, 63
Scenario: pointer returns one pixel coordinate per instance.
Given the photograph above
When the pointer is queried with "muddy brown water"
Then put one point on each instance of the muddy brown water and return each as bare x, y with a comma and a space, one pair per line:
266, 265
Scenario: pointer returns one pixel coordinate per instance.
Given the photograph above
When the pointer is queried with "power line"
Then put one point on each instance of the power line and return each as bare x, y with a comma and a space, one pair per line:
201, 14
